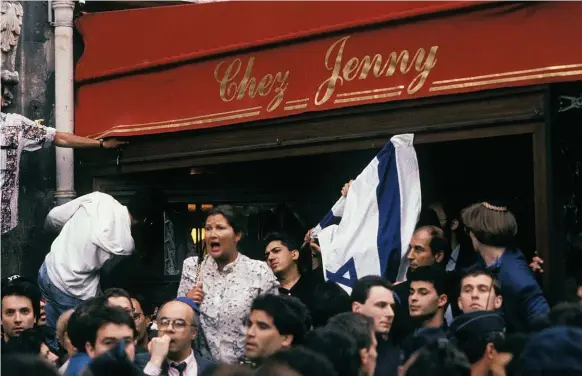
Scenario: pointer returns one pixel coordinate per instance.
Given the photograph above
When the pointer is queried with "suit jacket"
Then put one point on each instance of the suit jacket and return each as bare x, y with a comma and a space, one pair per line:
142, 359
523, 300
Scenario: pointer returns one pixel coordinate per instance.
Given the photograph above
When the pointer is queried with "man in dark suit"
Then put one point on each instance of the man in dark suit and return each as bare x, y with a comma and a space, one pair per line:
428, 246
171, 352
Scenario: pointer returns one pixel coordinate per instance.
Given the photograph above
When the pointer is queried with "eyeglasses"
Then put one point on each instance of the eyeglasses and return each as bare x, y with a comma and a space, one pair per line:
177, 324
137, 315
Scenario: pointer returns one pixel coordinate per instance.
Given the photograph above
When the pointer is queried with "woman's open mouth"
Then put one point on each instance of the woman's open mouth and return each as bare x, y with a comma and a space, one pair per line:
214, 247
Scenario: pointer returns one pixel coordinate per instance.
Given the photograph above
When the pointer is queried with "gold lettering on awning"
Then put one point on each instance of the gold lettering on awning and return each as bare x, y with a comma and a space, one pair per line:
232, 86
355, 67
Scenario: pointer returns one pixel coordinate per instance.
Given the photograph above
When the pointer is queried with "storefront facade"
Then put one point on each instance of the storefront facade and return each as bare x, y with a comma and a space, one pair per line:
341, 80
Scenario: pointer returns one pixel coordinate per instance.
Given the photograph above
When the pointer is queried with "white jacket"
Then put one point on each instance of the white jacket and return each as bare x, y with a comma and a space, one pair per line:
95, 228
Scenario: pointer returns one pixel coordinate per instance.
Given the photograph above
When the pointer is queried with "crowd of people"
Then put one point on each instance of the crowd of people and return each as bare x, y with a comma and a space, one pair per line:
470, 304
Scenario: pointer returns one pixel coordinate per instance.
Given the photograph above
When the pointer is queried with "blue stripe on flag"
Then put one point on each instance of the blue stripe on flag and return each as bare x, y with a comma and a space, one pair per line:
388, 196
329, 220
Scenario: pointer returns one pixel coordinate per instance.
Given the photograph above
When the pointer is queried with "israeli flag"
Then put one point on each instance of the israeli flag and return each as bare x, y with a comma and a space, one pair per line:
368, 232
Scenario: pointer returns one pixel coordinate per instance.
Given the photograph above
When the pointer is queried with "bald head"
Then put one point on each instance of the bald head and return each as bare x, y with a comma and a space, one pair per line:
428, 246
177, 309
178, 321
431, 231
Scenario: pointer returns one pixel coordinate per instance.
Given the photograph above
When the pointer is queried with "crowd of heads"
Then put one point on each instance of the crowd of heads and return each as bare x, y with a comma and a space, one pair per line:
336, 334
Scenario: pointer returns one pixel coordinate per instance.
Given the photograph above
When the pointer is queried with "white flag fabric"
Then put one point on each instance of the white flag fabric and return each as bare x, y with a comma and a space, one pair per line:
368, 232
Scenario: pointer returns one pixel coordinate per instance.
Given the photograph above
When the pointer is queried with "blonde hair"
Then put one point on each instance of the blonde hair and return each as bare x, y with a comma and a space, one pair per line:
492, 225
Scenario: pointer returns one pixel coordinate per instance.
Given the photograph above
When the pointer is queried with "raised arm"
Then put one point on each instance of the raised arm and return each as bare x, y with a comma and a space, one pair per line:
59, 215
69, 140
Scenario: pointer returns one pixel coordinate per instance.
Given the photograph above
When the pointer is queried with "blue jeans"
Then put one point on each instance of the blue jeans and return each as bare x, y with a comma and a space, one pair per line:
57, 301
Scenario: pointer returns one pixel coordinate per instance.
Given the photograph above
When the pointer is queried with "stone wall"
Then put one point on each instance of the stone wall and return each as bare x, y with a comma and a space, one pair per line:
23, 248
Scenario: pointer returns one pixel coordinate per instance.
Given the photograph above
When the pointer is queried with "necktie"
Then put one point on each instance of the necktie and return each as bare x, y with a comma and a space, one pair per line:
180, 367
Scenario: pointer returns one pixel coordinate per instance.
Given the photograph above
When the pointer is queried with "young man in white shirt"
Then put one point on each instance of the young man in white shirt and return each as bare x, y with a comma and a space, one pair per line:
93, 229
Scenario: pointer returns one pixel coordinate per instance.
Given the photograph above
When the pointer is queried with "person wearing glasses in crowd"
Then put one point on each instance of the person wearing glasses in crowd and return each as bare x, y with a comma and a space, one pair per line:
171, 352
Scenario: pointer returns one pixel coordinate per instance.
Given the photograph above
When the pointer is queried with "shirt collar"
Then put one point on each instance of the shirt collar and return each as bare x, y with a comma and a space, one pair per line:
229, 267
497, 263
190, 361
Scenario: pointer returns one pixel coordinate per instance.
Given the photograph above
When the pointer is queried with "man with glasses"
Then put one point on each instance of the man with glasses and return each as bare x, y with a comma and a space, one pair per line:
171, 352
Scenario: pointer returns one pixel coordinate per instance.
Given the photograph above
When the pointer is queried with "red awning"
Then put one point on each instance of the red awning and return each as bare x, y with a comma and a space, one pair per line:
126, 41
197, 66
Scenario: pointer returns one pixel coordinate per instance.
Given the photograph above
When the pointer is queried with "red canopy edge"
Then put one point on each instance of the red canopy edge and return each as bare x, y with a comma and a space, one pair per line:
153, 37
468, 51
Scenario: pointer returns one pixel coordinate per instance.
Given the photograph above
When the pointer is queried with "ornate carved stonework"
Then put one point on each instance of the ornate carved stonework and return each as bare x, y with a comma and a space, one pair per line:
10, 25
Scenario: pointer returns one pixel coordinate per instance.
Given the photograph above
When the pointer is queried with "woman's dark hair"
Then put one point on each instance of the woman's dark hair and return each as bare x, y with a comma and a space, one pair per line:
234, 216
19, 364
